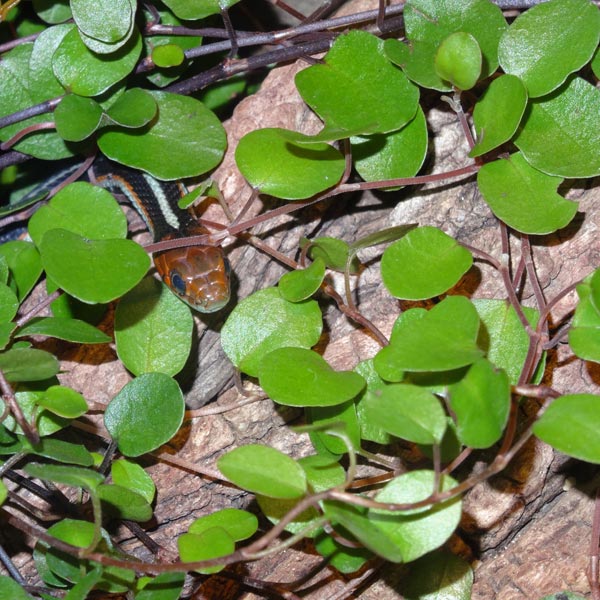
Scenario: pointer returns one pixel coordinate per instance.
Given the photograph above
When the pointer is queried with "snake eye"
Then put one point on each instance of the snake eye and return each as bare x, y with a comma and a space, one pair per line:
178, 283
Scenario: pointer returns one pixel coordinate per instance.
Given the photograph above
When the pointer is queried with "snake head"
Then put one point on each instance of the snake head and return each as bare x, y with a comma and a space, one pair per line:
199, 275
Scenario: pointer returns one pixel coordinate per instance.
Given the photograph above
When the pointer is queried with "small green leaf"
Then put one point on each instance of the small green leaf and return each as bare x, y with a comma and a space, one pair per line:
134, 108
212, 543
441, 339
584, 335
60, 451
24, 263
67, 475
481, 403
343, 558
52, 11
92, 270
153, 329
438, 576
239, 524
357, 88
276, 163
322, 473
145, 414
409, 412
300, 377
77, 118
458, 60
28, 364
523, 197
571, 424
9, 588
301, 284
81, 208
333, 251
340, 418
168, 55
46, 422
63, 401
125, 503
194, 135
275, 509
498, 113
130, 475
3, 496
548, 42
559, 135
81, 590
369, 430
166, 586
264, 470
426, 262
72, 330
9, 303
198, 9
105, 20
417, 532
247, 336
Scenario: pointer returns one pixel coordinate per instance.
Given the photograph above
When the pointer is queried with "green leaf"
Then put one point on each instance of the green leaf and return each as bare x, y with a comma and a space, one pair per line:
9, 303
198, 9
559, 135
43, 84
584, 334
481, 403
86, 73
9, 588
343, 558
300, 377
67, 475
28, 364
247, 336
212, 543
523, 197
458, 60
194, 135
571, 424
130, 475
145, 414
417, 532
166, 586
275, 162
60, 451
339, 418
438, 576
333, 251
322, 473
441, 339
503, 336
81, 208
396, 154
63, 401
125, 503
72, 330
548, 42
498, 113
24, 263
153, 329
52, 11
77, 118
264, 470
369, 430
92, 270
239, 524
3, 496
409, 412
426, 262
134, 108
275, 509
105, 20
357, 88
301, 284
168, 55
563, 596
46, 422
82, 589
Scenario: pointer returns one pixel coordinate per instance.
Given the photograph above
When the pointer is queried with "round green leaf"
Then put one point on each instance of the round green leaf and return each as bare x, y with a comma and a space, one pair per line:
397, 154
440, 339
426, 262
357, 88
125, 503
498, 113
341, 557
85, 73
276, 163
92, 270
211, 543
72, 330
24, 263
52, 11
369, 430
77, 118
153, 329
302, 283
458, 60
481, 403
134, 108
193, 134
168, 55
333, 251
247, 336
239, 524
300, 377
340, 418
417, 532
145, 414
322, 473
548, 42
9, 303
67, 475
198, 9
559, 135
264, 470
46, 422
63, 401
571, 424
105, 20
523, 197
130, 475
28, 364
409, 412
43, 84
81, 208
